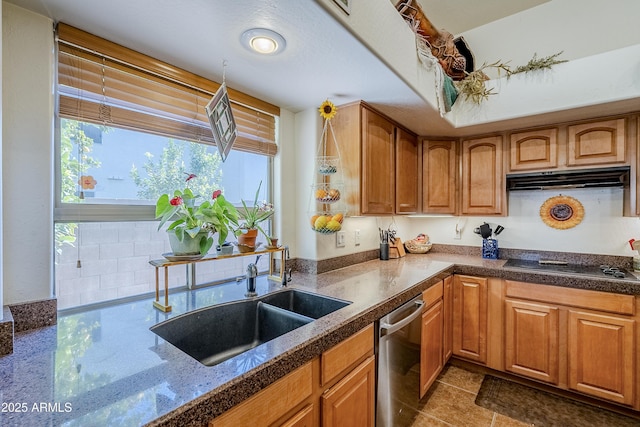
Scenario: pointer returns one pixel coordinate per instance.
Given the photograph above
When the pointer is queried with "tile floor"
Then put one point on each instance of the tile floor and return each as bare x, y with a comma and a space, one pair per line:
451, 402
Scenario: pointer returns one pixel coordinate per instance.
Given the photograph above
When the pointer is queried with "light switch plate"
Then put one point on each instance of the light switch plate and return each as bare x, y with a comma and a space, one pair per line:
340, 239
356, 237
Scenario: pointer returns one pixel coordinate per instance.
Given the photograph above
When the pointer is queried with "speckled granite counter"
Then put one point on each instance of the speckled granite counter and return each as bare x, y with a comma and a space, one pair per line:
104, 367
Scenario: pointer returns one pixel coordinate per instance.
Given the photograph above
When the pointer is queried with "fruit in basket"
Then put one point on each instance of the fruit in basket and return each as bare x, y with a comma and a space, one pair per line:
313, 221
334, 194
321, 222
333, 225
338, 217
321, 193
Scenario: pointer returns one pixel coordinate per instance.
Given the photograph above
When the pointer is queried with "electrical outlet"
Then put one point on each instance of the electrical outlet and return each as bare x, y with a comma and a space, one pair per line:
458, 234
340, 239
356, 237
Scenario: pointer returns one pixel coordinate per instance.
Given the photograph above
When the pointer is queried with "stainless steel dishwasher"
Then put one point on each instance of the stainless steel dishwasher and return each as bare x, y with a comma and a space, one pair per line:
398, 389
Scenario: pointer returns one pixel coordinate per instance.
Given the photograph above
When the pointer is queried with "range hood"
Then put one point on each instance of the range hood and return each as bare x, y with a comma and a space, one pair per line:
580, 178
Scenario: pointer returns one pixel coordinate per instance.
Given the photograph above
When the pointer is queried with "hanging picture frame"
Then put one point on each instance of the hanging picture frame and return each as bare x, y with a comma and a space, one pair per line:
223, 125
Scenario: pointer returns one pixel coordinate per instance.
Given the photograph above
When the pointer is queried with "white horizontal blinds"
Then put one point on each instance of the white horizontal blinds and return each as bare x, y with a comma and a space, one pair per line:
148, 95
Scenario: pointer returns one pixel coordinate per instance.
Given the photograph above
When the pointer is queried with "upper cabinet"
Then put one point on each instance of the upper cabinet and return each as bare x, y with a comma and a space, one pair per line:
380, 161
407, 174
483, 189
595, 143
439, 173
534, 150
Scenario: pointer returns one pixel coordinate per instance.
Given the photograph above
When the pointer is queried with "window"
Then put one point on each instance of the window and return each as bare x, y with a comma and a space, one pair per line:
129, 129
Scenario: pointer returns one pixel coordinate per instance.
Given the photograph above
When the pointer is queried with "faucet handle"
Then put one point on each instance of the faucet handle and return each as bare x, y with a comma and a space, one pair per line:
286, 277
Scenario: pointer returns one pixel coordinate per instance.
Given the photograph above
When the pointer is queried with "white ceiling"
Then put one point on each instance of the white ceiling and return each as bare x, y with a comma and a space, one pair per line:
321, 60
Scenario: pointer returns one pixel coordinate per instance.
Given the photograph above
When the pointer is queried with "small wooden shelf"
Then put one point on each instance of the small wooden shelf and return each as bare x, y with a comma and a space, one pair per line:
165, 263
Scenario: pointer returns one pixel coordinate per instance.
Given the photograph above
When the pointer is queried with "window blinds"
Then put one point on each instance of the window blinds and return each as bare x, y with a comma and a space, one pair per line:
104, 83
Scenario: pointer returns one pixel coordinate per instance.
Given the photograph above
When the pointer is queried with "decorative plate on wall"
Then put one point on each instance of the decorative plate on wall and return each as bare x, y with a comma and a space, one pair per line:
562, 212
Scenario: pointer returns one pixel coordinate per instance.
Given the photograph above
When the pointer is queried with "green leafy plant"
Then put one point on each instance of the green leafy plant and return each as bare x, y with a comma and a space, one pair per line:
251, 217
208, 217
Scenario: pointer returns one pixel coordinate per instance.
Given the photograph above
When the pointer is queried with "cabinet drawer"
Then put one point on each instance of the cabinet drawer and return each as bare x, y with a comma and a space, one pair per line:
433, 294
593, 300
337, 360
271, 403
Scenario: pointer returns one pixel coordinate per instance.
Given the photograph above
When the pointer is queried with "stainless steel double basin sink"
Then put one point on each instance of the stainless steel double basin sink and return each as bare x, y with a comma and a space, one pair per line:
214, 334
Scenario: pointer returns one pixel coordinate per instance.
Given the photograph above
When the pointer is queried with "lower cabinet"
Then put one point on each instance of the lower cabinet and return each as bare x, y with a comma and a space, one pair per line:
576, 339
470, 309
601, 355
531, 340
351, 402
431, 354
335, 389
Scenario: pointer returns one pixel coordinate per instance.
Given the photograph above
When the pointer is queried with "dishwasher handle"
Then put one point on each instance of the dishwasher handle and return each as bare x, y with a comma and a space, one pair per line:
388, 329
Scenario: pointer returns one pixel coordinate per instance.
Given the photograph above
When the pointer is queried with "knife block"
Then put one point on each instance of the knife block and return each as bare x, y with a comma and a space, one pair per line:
396, 250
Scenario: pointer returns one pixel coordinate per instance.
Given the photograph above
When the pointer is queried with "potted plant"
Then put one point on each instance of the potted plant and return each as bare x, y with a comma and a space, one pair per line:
194, 224
250, 219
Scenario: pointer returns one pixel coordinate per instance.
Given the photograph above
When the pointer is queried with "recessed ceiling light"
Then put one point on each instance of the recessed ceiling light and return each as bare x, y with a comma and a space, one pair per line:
263, 41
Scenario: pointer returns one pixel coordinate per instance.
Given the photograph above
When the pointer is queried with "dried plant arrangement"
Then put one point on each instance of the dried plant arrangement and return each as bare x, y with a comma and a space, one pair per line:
473, 86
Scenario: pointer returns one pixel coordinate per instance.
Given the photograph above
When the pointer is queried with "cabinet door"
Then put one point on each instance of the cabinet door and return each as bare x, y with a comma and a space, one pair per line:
407, 172
600, 358
351, 402
303, 418
439, 171
431, 354
378, 187
596, 143
531, 340
534, 150
447, 314
470, 317
483, 189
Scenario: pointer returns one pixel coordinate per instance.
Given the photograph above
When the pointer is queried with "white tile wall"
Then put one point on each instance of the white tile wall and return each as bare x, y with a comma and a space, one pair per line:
115, 259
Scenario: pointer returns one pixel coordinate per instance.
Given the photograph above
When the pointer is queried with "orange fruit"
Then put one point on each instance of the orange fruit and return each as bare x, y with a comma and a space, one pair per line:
338, 217
313, 221
334, 194
321, 193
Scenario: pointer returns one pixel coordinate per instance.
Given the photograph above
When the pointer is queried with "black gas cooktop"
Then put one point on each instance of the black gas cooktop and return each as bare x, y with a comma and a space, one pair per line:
602, 271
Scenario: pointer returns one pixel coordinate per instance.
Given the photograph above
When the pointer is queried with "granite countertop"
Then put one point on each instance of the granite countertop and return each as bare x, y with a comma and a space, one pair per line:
105, 367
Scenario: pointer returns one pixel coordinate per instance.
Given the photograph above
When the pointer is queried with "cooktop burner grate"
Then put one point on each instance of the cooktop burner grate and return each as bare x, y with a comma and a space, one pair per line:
602, 271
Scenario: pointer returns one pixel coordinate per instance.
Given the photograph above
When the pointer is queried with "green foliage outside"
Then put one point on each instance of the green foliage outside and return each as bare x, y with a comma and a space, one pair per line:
75, 160
169, 172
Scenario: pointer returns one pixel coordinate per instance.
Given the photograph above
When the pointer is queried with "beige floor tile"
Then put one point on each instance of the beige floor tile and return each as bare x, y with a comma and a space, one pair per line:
455, 406
423, 420
458, 377
503, 421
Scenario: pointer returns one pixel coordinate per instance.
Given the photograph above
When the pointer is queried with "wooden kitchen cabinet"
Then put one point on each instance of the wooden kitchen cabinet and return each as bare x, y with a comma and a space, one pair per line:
431, 354
483, 189
601, 355
532, 340
380, 162
272, 403
596, 143
470, 317
447, 314
431, 336
439, 176
576, 339
407, 178
351, 402
537, 149
335, 389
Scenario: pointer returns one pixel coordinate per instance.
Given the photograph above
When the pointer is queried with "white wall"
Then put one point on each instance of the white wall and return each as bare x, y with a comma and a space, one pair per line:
27, 151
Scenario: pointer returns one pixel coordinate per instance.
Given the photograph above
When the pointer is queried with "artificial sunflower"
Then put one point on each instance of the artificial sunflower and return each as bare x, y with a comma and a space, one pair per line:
327, 110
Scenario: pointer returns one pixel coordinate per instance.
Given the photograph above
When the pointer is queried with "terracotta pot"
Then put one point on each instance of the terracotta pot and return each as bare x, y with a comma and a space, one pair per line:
248, 237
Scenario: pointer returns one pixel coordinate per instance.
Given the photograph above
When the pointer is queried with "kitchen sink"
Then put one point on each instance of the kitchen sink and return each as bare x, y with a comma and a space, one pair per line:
214, 334
305, 303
